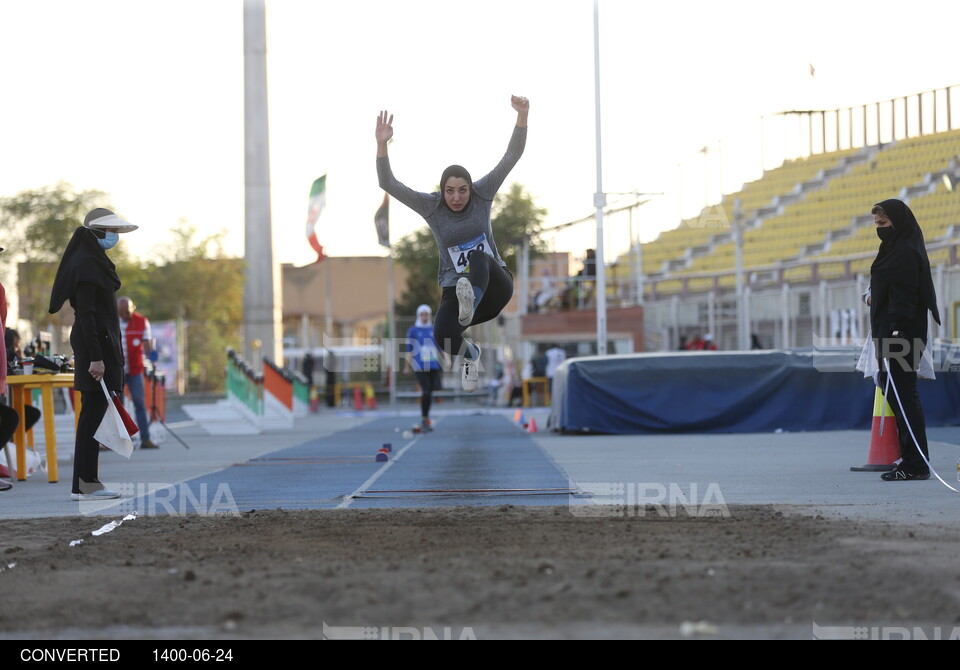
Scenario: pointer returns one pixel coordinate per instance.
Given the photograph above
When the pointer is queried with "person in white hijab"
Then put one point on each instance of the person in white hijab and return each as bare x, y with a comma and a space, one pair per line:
422, 358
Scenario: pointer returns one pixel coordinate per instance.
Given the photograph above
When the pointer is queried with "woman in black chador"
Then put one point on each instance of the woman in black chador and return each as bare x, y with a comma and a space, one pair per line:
901, 294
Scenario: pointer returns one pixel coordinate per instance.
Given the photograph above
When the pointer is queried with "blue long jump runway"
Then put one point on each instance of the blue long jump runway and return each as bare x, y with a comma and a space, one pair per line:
466, 460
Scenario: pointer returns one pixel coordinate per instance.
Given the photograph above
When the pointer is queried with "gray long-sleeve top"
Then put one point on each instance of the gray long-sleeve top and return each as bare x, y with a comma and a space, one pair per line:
458, 233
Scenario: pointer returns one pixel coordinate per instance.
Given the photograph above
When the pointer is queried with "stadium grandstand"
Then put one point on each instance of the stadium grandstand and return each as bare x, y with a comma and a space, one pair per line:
787, 256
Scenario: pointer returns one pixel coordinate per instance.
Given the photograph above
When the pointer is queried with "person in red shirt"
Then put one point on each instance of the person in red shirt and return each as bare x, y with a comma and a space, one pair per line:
9, 419
137, 337
695, 344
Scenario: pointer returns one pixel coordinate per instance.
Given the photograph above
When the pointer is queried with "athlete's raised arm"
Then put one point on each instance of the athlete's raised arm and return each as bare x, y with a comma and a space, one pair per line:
385, 132
522, 105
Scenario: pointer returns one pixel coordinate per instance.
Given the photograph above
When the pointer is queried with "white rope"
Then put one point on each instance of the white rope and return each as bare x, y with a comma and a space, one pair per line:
883, 409
903, 412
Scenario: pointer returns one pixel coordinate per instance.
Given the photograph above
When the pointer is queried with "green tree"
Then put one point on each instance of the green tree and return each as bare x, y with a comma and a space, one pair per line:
43, 220
417, 252
194, 283
189, 279
515, 216
36, 225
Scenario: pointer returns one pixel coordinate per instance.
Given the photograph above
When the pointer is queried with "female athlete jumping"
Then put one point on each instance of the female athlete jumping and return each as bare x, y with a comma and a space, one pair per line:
475, 281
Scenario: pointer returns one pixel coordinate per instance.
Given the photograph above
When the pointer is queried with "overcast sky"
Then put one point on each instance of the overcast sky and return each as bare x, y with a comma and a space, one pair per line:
144, 100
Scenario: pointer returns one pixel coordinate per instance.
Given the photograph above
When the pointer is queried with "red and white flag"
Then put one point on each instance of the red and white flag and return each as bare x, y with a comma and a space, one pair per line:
117, 426
318, 198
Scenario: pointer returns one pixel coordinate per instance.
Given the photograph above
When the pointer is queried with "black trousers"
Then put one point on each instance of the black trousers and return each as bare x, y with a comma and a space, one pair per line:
429, 381
908, 409
331, 384
86, 451
497, 285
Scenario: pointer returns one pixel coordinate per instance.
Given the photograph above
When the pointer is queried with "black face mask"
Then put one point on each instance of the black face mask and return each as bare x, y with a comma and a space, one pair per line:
885, 233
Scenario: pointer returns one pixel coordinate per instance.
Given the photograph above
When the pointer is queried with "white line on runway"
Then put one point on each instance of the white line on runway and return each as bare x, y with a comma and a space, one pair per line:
376, 475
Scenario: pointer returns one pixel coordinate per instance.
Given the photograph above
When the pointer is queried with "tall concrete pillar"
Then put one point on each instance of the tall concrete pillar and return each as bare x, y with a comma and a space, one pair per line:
262, 322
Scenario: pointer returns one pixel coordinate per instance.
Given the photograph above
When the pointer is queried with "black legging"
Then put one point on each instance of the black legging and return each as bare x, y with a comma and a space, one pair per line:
429, 381
904, 374
86, 452
497, 285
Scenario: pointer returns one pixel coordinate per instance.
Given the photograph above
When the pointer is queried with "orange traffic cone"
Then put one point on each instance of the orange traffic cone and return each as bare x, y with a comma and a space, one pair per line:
357, 400
884, 439
532, 426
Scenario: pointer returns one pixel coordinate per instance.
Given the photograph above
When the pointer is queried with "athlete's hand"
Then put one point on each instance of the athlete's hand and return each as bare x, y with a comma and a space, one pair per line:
384, 127
520, 104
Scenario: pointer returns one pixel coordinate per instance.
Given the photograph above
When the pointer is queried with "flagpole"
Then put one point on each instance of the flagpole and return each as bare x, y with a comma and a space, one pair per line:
328, 308
318, 195
392, 342
381, 221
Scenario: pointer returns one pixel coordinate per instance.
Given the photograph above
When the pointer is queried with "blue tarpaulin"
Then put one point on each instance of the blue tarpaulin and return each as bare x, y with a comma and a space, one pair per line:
737, 392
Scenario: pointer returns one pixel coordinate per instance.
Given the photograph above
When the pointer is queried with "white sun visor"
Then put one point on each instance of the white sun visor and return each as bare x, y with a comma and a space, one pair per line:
113, 222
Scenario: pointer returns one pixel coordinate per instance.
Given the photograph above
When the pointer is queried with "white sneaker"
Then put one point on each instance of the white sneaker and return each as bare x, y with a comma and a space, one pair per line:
102, 494
465, 298
470, 372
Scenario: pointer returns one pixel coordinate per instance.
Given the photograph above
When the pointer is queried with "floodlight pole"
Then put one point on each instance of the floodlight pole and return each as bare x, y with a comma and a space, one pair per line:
637, 259
742, 339
635, 246
599, 198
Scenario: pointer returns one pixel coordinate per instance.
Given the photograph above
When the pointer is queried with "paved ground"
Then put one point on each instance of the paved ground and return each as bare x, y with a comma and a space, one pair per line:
330, 456
498, 531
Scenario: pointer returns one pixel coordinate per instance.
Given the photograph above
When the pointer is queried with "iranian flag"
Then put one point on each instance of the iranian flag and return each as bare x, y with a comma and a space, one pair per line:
318, 198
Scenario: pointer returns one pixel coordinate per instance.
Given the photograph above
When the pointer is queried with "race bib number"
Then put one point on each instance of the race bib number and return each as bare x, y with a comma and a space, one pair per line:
428, 354
460, 252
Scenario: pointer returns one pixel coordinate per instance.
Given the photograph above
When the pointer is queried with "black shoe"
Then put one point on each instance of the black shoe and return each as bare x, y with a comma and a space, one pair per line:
898, 474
